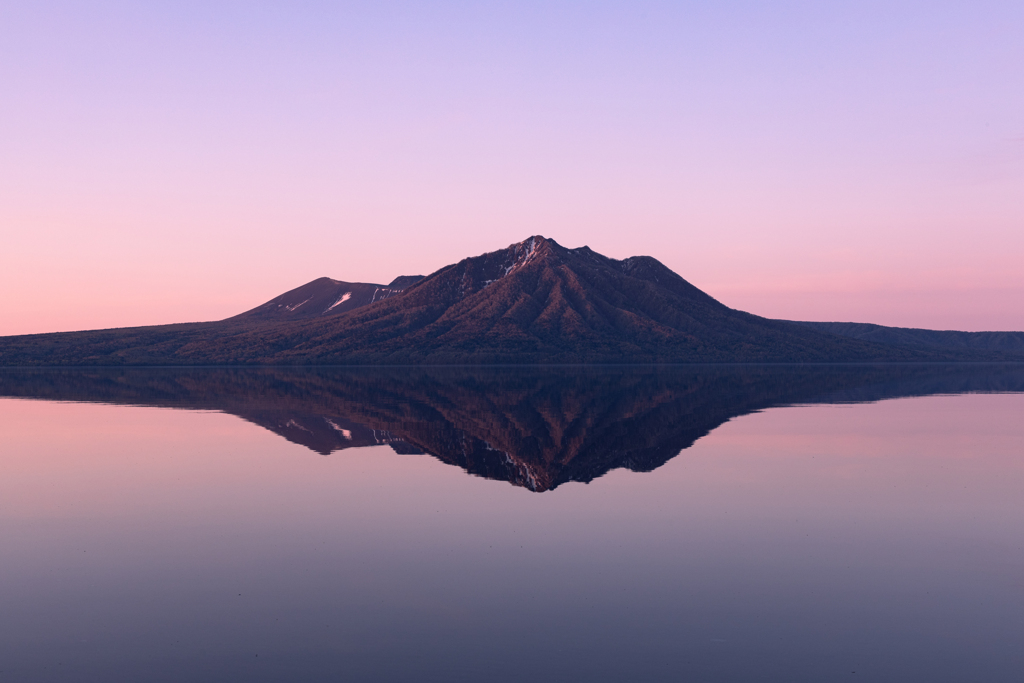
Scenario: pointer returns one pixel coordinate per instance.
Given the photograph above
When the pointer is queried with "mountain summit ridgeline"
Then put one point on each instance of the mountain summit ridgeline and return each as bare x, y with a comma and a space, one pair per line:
534, 302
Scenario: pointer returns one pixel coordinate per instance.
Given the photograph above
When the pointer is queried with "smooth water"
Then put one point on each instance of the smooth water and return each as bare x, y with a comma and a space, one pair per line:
648, 524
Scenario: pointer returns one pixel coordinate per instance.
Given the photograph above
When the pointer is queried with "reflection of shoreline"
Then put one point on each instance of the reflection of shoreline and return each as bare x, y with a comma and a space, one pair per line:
533, 427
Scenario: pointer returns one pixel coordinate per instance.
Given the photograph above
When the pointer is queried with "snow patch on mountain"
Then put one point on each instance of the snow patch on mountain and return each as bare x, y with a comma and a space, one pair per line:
344, 297
522, 253
293, 307
338, 428
517, 256
382, 293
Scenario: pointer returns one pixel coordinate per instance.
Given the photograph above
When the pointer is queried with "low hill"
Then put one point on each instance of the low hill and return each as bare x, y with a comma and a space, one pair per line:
325, 296
1006, 342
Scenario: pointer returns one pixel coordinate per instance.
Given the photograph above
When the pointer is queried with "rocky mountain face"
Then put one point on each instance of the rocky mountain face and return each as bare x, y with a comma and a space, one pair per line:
533, 302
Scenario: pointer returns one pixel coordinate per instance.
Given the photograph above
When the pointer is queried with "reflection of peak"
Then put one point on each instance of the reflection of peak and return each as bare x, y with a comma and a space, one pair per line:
535, 428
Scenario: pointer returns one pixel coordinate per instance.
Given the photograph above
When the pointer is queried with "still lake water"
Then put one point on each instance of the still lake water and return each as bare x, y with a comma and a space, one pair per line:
646, 524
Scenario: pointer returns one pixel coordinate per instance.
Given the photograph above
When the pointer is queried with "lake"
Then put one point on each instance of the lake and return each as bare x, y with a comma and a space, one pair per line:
707, 523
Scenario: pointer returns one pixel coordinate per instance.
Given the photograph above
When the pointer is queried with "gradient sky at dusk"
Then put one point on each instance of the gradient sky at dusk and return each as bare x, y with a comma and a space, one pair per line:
171, 161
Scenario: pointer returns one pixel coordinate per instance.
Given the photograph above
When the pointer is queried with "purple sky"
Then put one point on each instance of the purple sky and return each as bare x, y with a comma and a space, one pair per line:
164, 162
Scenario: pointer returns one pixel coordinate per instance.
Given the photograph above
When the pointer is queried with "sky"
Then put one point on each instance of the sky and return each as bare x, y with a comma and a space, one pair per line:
178, 161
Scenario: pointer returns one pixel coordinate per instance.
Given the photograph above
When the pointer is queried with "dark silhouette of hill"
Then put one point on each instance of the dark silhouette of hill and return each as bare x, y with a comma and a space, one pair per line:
1007, 342
532, 427
534, 302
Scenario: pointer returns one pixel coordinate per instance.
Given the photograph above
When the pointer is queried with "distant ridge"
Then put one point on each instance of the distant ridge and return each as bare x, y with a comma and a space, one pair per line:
532, 302
1009, 342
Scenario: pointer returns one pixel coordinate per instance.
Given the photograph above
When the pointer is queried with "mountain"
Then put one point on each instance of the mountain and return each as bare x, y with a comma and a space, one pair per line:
537, 301
533, 302
533, 427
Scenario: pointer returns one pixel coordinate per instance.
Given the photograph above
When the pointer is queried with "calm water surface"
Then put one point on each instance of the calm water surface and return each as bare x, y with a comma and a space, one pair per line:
709, 524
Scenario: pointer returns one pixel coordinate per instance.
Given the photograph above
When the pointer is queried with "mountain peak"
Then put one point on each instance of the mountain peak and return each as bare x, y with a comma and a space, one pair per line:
526, 251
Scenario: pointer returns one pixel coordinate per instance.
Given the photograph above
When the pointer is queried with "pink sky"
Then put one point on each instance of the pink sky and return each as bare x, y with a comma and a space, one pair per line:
189, 161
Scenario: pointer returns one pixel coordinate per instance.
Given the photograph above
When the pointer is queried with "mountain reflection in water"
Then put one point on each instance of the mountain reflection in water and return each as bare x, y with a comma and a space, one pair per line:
534, 427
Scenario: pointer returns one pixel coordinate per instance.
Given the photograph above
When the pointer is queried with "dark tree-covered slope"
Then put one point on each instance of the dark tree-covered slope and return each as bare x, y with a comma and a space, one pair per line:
1006, 342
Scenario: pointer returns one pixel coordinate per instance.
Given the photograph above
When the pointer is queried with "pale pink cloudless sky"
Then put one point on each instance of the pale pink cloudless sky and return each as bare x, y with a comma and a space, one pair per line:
178, 161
